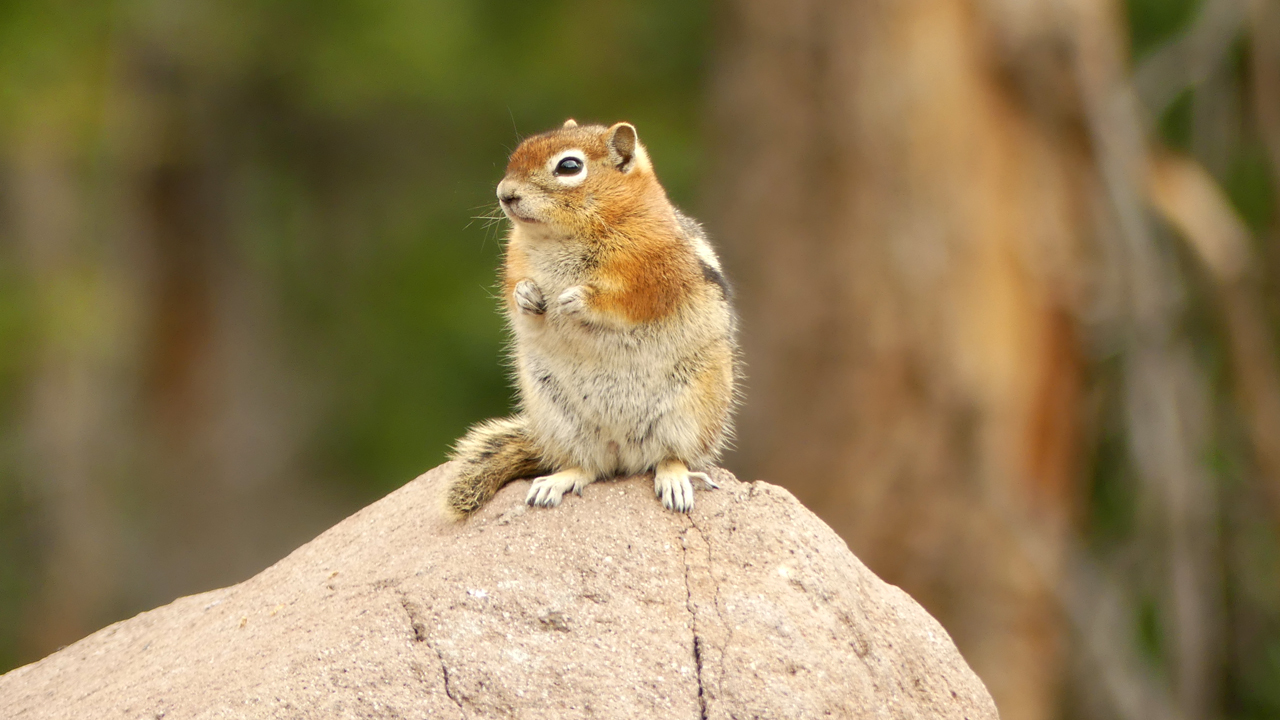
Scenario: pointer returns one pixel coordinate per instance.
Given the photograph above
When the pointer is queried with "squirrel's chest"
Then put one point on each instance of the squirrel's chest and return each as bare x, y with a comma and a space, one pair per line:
553, 266
578, 349
603, 371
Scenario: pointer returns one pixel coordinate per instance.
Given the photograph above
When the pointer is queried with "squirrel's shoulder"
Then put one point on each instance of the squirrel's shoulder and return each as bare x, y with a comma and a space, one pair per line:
708, 262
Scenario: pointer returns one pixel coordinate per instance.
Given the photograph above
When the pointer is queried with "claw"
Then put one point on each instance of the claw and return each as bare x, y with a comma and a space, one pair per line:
707, 482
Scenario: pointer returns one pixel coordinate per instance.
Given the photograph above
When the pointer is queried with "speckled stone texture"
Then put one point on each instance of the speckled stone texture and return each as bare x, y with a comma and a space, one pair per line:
606, 607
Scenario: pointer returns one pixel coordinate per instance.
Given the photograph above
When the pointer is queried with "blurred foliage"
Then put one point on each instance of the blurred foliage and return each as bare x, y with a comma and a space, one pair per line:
1152, 22
1118, 528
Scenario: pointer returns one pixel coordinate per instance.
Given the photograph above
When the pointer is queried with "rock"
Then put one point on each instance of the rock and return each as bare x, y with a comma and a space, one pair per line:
606, 607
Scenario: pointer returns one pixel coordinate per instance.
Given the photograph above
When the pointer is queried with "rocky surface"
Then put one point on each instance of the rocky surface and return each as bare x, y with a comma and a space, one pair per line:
606, 607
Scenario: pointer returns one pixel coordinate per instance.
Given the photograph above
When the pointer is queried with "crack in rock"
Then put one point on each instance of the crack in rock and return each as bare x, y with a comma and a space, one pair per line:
420, 635
693, 623
715, 602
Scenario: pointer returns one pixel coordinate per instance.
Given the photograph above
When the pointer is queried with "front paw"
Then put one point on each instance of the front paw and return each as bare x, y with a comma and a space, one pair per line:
529, 298
573, 302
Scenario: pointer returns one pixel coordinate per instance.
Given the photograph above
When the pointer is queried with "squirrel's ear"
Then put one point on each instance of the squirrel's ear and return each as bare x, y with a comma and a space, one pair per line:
570, 123
625, 149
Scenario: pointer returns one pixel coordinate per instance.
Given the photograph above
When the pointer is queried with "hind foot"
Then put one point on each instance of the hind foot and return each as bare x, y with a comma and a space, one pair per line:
673, 484
547, 491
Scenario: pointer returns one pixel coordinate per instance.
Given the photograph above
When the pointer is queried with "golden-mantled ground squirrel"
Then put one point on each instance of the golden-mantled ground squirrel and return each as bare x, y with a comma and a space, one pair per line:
624, 350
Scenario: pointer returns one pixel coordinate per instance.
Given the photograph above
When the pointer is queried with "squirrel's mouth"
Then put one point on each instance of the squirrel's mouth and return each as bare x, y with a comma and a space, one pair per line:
516, 216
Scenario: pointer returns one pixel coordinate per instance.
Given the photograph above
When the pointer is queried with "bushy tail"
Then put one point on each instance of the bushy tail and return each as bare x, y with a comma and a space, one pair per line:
492, 454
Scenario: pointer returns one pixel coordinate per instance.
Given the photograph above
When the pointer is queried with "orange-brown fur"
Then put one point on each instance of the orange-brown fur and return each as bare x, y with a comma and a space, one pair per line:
643, 272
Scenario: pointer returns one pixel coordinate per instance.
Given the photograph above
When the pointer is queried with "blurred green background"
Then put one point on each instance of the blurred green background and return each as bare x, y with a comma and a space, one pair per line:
247, 264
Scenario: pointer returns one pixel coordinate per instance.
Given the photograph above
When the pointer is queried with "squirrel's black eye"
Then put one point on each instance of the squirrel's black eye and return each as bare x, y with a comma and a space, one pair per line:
568, 166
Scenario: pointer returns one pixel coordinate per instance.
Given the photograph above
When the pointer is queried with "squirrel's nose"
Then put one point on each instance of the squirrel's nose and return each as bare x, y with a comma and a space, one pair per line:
507, 193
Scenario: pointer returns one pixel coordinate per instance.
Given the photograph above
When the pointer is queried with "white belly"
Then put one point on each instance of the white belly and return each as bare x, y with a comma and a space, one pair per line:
610, 401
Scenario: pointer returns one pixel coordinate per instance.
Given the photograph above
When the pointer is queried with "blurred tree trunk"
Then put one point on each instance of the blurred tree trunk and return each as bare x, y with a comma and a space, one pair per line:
77, 382
220, 418
163, 423
904, 191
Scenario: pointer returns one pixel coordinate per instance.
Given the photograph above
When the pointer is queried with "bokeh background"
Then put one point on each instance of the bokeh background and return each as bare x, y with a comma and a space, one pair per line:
1008, 270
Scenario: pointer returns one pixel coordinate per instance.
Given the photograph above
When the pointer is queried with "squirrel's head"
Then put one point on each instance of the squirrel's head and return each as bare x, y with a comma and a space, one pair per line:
577, 179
